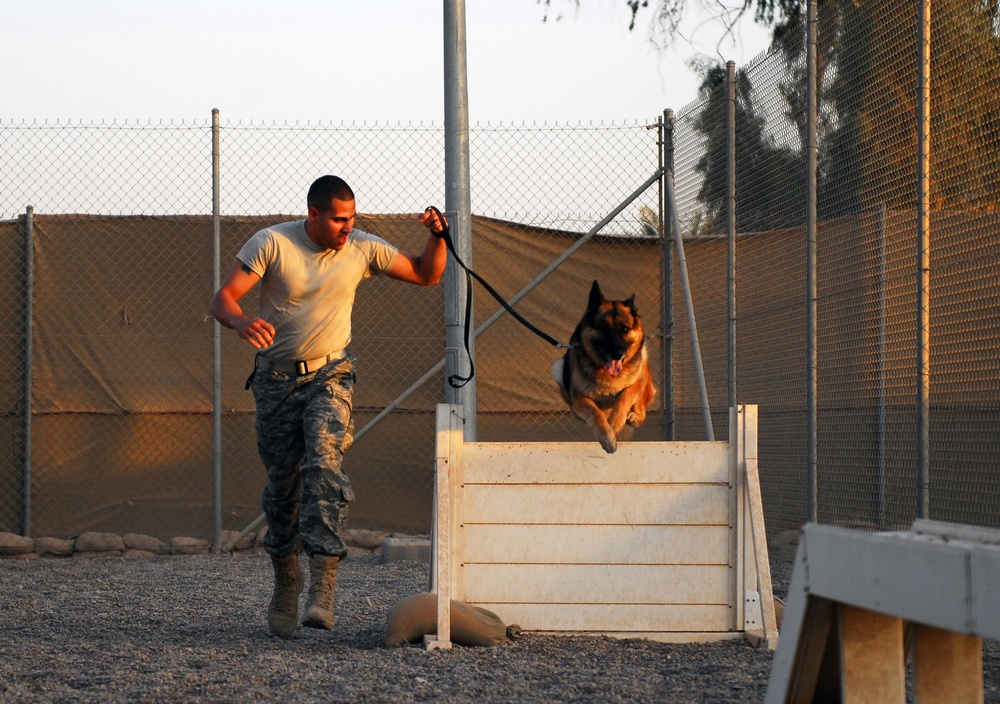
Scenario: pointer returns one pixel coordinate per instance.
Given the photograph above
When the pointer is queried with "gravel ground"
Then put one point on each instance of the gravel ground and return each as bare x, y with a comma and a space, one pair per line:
191, 628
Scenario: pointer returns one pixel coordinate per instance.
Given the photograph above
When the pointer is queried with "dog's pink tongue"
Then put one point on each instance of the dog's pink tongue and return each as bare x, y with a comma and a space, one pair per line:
613, 367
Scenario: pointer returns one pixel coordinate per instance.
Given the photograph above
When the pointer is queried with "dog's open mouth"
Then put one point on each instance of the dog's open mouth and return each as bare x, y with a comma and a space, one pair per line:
613, 367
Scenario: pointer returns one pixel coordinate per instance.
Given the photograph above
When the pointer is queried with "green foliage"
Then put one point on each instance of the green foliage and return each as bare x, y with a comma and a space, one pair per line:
770, 186
867, 76
867, 83
871, 153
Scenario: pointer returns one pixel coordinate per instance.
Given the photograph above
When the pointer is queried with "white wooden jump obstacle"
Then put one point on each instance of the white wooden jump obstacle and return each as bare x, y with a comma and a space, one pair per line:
660, 540
860, 603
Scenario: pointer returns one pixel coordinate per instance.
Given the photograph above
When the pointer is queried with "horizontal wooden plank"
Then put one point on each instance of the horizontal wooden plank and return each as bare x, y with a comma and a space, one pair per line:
621, 544
618, 618
639, 462
593, 584
917, 577
583, 504
922, 580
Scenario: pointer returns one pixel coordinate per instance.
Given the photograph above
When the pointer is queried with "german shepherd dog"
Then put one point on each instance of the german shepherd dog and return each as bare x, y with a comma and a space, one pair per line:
604, 376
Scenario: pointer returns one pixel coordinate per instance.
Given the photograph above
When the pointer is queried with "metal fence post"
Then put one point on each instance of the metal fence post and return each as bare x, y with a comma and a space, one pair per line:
811, 288
216, 339
29, 310
666, 286
880, 469
458, 205
924, 264
699, 368
731, 230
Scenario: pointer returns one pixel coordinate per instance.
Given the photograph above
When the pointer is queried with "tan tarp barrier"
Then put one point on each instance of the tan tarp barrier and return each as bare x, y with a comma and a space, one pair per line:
12, 292
122, 369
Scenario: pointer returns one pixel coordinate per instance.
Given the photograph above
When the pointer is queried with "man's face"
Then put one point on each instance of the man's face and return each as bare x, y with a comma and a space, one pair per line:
330, 227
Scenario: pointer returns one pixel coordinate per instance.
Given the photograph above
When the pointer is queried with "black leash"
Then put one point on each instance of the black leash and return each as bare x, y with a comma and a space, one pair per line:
445, 234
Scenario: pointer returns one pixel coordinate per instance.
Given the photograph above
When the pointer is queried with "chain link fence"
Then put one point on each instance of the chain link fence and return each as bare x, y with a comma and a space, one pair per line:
119, 352
109, 334
868, 439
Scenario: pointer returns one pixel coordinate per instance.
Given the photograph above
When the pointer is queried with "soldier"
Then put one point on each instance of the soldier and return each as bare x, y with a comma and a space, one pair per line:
303, 378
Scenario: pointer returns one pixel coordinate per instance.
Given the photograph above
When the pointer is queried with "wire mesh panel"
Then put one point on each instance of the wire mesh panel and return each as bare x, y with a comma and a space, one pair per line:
867, 77
106, 169
122, 405
965, 251
117, 289
115, 435
553, 186
14, 501
122, 373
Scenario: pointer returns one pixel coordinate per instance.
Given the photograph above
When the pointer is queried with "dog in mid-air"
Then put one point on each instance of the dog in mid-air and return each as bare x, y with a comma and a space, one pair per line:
604, 376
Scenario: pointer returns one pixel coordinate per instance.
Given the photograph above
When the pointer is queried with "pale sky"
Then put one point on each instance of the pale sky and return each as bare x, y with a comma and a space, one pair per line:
335, 61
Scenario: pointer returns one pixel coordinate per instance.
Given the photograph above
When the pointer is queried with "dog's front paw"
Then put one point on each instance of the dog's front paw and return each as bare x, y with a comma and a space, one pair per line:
636, 418
609, 443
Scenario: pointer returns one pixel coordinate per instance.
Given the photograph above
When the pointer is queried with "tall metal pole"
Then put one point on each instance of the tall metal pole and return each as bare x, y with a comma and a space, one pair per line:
811, 288
699, 369
458, 206
731, 230
924, 265
29, 314
880, 469
666, 288
216, 340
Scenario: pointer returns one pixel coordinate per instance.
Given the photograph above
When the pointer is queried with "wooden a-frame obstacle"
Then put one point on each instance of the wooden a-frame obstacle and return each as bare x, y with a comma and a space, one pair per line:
660, 540
861, 604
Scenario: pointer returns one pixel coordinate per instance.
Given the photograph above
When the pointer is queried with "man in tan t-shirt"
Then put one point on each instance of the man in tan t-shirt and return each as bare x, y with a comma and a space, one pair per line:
303, 378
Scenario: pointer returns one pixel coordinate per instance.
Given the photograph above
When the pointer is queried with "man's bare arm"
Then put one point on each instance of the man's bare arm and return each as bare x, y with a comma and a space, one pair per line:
226, 307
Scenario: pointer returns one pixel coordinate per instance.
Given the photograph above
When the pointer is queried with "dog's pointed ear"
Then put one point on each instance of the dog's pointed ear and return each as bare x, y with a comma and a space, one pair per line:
630, 303
596, 297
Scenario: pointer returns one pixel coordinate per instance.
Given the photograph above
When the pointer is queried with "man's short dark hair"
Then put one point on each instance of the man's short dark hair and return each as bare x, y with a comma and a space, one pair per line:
325, 189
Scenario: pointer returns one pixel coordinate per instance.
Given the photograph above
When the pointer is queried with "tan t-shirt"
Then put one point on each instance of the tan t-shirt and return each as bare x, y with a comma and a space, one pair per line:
307, 291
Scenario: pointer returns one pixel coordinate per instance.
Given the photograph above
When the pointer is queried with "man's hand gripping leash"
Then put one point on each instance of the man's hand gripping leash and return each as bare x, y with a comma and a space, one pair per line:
455, 380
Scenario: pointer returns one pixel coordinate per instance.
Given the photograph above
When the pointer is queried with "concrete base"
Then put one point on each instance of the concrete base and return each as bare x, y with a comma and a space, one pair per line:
409, 549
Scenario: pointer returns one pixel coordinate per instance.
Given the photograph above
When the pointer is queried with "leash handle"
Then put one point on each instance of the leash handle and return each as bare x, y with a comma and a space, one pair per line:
445, 234
456, 381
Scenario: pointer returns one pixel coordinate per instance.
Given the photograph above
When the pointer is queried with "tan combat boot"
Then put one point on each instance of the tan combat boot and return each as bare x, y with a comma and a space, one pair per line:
283, 611
322, 580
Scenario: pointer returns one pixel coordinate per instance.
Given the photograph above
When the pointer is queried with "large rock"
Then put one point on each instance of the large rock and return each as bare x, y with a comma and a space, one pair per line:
399, 548
13, 544
366, 539
244, 543
91, 542
138, 555
189, 546
54, 547
145, 543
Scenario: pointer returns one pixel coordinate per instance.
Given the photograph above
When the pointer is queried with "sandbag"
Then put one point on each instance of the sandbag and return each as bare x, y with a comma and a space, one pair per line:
414, 617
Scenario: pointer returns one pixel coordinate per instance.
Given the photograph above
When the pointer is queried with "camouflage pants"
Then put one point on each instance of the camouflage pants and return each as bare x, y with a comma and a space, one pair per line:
304, 425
